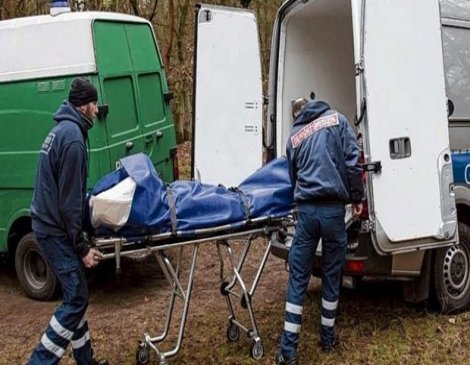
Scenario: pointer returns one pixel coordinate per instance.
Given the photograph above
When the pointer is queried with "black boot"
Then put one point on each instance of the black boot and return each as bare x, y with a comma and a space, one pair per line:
330, 347
281, 360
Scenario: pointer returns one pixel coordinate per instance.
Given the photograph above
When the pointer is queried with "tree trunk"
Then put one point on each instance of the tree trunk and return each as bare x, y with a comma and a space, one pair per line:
171, 29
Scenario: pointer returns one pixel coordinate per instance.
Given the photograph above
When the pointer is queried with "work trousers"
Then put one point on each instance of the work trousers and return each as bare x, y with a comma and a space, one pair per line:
315, 221
68, 324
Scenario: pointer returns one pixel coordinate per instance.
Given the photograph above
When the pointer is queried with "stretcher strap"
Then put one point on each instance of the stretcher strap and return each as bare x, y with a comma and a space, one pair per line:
172, 207
245, 201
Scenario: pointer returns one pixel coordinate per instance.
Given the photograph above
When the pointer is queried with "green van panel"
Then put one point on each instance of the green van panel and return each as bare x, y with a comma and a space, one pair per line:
123, 117
23, 108
115, 72
151, 98
26, 117
133, 85
155, 112
112, 52
143, 48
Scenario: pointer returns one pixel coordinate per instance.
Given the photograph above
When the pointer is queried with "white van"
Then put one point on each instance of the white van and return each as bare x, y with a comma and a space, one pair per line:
381, 64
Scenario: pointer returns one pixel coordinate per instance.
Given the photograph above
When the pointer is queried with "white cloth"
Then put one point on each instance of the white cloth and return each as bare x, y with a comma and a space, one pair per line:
112, 207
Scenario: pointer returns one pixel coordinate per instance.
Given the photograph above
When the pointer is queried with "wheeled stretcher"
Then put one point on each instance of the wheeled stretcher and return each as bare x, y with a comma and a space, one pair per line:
232, 282
133, 212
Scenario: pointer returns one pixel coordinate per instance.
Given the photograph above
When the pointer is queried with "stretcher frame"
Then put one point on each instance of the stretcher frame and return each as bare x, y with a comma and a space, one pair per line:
223, 237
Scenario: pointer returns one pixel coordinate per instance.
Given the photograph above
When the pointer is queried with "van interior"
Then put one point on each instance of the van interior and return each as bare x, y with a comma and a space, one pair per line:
316, 54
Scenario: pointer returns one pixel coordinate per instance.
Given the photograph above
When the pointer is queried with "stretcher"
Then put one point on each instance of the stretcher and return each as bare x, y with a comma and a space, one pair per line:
232, 285
133, 212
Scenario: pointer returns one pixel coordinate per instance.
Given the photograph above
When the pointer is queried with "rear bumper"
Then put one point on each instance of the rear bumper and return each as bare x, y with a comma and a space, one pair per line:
360, 261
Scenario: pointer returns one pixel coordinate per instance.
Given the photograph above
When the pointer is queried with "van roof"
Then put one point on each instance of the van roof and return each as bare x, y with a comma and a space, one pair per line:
47, 46
455, 9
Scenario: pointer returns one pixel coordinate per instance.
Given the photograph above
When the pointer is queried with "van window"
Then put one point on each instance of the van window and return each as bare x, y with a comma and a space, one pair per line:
457, 65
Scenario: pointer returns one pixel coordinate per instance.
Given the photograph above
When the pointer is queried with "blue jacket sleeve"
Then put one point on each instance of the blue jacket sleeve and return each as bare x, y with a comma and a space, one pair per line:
351, 158
72, 178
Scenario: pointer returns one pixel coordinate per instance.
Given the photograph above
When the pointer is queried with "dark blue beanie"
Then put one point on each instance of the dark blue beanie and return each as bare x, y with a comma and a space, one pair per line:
82, 92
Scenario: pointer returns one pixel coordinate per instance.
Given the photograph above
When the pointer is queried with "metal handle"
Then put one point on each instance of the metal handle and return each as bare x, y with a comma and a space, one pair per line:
129, 145
158, 135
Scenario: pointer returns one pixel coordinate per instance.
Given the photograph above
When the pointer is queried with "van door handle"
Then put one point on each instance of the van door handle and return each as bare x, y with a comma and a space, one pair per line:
129, 145
168, 96
159, 135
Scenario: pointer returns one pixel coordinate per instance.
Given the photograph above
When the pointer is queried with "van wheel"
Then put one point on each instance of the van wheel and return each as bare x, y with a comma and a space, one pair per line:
452, 273
36, 277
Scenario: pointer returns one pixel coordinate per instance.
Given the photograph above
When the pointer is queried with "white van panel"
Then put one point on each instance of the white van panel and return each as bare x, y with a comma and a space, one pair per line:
48, 49
405, 92
227, 138
47, 46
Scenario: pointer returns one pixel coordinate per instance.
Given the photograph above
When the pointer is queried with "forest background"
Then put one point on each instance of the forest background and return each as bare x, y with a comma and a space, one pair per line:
173, 22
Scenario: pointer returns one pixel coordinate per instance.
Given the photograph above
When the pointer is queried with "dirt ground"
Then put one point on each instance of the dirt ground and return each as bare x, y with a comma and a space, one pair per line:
374, 325
123, 308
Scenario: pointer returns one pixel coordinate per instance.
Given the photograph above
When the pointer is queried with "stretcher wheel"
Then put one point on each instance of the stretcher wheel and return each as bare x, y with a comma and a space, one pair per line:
142, 355
257, 350
233, 332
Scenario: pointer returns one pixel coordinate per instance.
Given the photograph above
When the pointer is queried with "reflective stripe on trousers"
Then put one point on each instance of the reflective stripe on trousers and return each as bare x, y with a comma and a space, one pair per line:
315, 221
68, 324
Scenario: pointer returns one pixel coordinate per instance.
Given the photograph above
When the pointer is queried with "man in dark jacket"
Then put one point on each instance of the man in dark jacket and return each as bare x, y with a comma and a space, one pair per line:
57, 212
323, 160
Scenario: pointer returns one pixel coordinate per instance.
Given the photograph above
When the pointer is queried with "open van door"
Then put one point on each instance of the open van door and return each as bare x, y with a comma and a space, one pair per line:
401, 78
227, 124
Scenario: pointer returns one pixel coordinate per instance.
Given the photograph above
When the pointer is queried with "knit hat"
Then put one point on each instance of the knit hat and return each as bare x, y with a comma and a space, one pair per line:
82, 92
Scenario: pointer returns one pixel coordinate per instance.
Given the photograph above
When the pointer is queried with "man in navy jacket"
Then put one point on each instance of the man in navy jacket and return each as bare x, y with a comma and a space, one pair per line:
323, 160
57, 212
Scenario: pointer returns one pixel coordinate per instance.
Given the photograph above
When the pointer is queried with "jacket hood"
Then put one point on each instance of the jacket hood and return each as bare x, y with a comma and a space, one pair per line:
311, 111
68, 112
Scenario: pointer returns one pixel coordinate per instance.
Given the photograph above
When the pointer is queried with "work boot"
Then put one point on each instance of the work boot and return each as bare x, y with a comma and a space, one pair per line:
99, 362
329, 347
281, 360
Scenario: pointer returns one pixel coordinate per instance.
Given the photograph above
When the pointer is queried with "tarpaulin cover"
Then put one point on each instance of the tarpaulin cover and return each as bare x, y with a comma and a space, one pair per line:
190, 205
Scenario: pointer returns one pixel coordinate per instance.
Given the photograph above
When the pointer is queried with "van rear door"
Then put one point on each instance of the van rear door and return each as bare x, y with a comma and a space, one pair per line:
153, 102
116, 77
227, 125
401, 77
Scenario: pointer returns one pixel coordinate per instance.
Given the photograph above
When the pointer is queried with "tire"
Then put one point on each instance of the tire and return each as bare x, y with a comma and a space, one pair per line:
233, 333
257, 350
452, 274
36, 277
142, 355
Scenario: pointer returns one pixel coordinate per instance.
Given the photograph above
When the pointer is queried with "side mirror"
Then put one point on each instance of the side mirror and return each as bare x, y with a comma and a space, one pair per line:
450, 107
103, 111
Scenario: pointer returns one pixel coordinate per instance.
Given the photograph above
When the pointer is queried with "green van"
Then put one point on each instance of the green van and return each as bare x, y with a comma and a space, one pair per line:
40, 57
